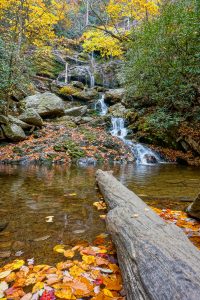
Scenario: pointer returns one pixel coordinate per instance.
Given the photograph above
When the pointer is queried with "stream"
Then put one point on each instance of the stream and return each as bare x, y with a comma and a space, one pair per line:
30, 194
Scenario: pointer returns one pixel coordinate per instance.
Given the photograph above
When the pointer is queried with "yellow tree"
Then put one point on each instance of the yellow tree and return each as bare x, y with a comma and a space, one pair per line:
121, 15
24, 23
31, 21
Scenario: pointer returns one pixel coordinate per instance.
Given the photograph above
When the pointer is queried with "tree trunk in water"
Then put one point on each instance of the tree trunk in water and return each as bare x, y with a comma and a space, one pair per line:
194, 208
157, 260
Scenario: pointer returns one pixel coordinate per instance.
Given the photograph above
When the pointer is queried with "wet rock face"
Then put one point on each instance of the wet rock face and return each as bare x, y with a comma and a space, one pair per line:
31, 117
46, 104
150, 159
13, 132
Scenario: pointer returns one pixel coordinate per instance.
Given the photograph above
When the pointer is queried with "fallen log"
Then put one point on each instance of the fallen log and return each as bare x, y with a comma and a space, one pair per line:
156, 258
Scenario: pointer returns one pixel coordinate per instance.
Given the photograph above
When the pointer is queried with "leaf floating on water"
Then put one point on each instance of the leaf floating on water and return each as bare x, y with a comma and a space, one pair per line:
59, 248
5, 254
100, 205
73, 194
69, 253
43, 238
49, 219
30, 261
19, 253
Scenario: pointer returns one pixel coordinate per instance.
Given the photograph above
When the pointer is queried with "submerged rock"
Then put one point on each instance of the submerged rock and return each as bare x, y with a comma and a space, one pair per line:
13, 132
31, 117
46, 104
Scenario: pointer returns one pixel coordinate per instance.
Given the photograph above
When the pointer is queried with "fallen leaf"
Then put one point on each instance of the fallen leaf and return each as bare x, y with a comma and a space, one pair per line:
4, 274
69, 253
59, 248
76, 271
42, 238
88, 259
49, 219
27, 296
65, 294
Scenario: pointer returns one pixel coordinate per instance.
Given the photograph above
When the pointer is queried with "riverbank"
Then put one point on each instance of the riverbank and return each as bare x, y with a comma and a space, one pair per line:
63, 142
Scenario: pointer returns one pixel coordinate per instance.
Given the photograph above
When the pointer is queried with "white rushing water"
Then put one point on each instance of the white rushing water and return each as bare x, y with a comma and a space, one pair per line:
119, 130
101, 106
91, 77
142, 153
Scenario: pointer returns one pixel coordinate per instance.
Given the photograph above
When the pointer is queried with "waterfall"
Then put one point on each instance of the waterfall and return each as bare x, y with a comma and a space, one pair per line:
101, 106
143, 154
91, 69
91, 77
119, 129
66, 72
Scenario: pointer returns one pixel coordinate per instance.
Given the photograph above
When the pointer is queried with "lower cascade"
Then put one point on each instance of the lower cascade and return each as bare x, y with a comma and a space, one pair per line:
101, 106
142, 153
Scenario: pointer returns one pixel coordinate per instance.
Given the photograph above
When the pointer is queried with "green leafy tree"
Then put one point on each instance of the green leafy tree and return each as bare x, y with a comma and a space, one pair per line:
163, 62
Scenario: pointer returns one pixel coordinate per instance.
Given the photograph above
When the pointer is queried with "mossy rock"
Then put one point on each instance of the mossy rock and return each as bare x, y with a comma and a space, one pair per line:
71, 148
69, 90
46, 65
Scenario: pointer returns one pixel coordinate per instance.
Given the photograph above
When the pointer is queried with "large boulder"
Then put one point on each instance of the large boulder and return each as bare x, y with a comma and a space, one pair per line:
31, 116
86, 95
2, 136
193, 143
46, 104
72, 92
4, 119
13, 132
114, 96
194, 208
18, 122
118, 110
76, 111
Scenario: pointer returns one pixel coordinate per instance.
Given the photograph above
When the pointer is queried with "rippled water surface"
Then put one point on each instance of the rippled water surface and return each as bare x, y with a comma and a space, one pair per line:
29, 194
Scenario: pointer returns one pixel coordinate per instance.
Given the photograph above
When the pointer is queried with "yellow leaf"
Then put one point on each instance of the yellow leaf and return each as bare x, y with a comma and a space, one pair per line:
88, 259
65, 294
107, 293
59, 248
69, 253
37, 287
76, 271
4, 274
